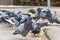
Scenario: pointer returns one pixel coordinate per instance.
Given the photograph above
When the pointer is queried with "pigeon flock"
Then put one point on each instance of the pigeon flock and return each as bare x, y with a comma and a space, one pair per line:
26, 22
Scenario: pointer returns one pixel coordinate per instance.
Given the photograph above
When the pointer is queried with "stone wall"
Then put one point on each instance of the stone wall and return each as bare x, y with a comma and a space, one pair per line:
6, 2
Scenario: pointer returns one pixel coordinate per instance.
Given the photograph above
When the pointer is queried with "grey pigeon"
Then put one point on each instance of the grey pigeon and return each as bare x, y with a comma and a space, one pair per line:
53, 18
3, 15
35, 27
24, 28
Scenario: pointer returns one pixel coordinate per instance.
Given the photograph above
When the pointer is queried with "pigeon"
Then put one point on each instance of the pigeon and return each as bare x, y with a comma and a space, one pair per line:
24, 28
5, 14
53, 18
35, 27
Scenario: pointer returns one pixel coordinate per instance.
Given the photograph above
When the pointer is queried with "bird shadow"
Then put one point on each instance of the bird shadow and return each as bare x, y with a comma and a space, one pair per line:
44, 24
54, 25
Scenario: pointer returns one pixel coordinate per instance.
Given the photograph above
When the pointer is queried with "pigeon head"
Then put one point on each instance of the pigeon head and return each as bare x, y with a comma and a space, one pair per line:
32, 11
39, 9
48, 13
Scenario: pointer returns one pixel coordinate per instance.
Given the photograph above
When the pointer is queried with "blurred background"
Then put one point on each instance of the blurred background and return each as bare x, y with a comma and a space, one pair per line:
30, 2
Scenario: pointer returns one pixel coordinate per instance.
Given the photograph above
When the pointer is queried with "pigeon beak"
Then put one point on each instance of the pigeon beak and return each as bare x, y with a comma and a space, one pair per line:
32, 14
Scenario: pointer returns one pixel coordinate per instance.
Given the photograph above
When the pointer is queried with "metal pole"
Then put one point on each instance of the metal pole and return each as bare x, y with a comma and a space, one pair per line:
48, 3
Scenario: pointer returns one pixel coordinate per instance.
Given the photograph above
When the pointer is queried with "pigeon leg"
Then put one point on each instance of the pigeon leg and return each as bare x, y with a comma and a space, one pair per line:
10, 25
13, 27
